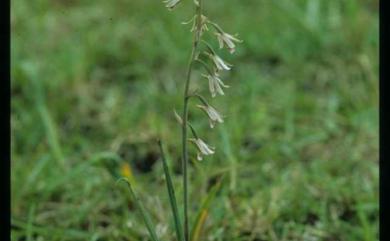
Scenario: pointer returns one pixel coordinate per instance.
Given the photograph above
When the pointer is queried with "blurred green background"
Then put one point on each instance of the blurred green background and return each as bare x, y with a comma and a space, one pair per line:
95, 82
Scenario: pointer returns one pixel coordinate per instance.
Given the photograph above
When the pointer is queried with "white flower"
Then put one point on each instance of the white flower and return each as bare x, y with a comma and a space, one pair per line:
219, 63
171, 4
213, 114
203, 148
228, 40
215, 84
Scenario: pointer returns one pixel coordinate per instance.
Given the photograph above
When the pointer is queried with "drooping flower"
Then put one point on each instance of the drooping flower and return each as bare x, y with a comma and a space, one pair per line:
171, 4
203, 148
213, 114
215, 84
218, 62
228, 40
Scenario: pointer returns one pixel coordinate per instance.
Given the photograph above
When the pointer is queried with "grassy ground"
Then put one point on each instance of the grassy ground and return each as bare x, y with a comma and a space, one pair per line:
95, 82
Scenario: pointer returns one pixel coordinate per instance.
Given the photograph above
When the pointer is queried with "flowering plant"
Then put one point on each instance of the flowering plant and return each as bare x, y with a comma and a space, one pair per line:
204, 54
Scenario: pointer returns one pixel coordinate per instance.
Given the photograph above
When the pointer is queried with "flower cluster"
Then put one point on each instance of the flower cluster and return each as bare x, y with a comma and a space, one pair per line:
213, 63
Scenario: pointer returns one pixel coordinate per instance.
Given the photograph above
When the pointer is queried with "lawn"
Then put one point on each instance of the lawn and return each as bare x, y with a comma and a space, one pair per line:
95, 83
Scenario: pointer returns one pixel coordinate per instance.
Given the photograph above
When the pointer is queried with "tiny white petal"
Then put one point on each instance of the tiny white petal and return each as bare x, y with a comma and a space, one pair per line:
220, 63
199, 156
211, 123
221, 83
203, 148
215, 84
220, 40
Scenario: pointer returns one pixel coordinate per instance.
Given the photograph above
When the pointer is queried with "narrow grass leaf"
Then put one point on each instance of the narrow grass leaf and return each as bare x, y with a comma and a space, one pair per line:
226, 146
52, 135
172, 197
52, 232
79, 169
142, 210
204, 210
29, 229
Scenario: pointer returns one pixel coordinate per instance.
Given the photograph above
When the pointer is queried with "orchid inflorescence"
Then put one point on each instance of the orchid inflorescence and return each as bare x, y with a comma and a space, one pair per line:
200, 24
204, 54
213, 65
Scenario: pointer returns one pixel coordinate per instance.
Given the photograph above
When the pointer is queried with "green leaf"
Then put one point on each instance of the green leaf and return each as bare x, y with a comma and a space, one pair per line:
204, 210
29, 229
142, 210
172, 197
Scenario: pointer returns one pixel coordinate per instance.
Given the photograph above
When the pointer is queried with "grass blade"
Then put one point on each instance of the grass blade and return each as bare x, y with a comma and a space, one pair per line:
172, 197
142, 210
51, 130
29, 229
54, 233
230, 157
204, 209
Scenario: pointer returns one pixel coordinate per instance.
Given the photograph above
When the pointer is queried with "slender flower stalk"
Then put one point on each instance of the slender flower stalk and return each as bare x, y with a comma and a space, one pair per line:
215, 86
196, 39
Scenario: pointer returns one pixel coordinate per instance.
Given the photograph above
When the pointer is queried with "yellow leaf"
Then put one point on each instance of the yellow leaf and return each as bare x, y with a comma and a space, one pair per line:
199, 226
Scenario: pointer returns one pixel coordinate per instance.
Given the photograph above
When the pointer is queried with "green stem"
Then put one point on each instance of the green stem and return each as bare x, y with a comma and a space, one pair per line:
202, 99
185, 119
209, 47
205, 66
219, 29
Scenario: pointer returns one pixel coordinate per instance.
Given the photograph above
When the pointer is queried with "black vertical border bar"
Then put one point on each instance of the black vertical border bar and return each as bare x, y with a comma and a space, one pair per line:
5, 24
384, 122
